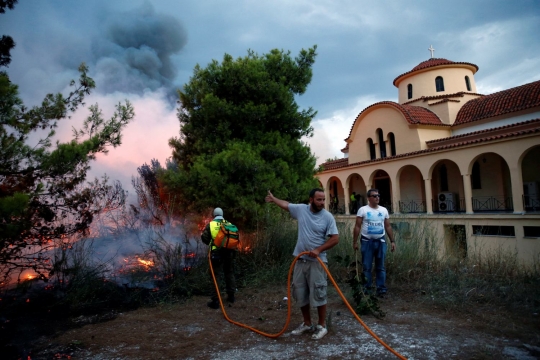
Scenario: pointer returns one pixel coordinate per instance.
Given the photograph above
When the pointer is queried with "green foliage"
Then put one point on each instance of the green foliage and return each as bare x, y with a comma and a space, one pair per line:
6, 42
364, 302
44, 199
241, 133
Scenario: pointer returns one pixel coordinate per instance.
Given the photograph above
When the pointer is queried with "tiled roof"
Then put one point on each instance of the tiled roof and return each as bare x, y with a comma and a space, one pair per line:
413, 114
495, 136
444, 96
433, 63
503, 102
443, 101
336, 164
505, 128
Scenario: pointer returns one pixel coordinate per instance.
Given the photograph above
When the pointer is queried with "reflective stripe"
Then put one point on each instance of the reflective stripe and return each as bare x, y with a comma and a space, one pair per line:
214, 229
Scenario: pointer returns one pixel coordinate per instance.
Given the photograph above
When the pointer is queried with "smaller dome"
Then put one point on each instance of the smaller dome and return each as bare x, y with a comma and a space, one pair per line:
433, 62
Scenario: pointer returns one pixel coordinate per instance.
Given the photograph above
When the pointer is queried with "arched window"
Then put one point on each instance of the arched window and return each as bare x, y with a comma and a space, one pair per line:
382, 144
443, 174
371, 145
392, 140
409, 91
468, 83
475, 177
439, 83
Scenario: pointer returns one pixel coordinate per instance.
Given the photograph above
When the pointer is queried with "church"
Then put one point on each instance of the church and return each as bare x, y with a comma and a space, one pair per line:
467, 163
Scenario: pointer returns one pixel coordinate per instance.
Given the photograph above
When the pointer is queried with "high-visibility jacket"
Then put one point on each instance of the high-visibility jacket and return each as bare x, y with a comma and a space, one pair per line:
215, 225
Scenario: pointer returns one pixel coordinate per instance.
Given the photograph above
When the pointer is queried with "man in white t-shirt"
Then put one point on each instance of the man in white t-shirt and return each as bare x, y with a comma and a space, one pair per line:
317, 232
372, 223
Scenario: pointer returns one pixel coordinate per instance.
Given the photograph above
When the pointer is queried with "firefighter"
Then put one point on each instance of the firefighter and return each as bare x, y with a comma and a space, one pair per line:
222, 259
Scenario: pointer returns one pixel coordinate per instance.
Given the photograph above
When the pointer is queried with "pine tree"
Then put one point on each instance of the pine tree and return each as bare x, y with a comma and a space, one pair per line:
241, 133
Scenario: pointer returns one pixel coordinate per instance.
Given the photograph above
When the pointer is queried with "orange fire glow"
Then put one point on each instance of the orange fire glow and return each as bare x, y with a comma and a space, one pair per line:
203, 223
146, 263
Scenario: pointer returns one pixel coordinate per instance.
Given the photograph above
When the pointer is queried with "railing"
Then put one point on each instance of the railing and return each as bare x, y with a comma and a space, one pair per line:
531, 203
492, 203
337, 210
412, 206
448, 205
479, 204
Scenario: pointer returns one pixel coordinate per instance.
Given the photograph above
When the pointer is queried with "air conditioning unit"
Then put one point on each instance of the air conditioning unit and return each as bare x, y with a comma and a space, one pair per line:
446, 201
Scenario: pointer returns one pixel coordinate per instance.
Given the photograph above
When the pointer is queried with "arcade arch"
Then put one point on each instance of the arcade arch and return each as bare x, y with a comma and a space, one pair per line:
530, 172
491, 187
412, 190
382, 182
447, 189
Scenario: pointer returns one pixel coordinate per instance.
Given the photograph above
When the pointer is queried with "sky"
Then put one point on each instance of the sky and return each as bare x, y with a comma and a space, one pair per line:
143, 51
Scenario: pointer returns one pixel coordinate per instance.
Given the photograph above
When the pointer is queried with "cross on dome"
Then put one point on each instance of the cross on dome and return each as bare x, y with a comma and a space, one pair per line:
432, 50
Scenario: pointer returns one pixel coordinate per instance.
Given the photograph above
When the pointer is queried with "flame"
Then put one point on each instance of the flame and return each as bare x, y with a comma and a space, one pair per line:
146, 263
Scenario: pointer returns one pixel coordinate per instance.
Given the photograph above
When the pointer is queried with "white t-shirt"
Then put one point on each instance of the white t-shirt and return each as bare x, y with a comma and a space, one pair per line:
373, 221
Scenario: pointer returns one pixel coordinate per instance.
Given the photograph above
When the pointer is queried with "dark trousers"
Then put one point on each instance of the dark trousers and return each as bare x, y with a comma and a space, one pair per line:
223, 263
374, 249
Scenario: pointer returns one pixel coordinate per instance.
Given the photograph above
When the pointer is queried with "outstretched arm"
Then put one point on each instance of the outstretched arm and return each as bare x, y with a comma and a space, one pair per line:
281, 203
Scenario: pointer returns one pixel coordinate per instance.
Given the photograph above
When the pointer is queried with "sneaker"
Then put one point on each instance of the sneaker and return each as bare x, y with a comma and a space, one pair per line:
213, 304
302, 329
319, 333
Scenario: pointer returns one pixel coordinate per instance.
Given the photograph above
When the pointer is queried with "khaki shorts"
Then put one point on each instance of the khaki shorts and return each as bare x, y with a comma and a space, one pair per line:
309, 283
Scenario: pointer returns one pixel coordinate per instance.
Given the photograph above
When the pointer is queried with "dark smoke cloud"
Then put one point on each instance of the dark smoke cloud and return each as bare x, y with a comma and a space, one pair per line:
133, 54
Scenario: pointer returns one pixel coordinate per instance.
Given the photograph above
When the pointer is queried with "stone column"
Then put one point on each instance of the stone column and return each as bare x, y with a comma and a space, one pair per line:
327, 199
429, 204
516, 179
396, 196
467, 188
347, 200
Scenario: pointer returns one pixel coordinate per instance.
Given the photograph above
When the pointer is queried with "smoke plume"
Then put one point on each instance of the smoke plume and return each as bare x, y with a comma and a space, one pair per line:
133, 53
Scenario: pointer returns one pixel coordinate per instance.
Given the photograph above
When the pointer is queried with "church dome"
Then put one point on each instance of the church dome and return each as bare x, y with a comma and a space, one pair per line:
432, 63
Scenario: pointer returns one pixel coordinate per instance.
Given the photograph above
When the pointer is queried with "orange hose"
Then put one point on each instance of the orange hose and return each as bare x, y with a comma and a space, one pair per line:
273, 336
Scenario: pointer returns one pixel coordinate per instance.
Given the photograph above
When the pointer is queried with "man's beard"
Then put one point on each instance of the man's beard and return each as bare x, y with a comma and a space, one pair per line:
314, 207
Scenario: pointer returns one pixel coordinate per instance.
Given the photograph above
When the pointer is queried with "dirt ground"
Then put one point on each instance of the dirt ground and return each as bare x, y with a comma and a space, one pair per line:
191, 330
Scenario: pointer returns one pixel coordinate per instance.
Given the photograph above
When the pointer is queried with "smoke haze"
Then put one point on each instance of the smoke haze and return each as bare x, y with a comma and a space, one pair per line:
133, 54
